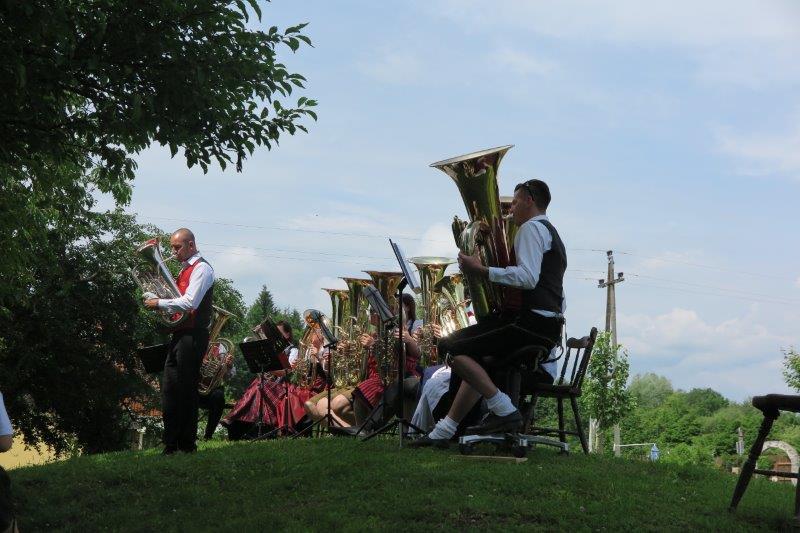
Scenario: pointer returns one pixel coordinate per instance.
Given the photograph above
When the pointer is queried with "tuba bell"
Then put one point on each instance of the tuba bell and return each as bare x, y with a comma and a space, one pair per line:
155, 280
387, 284
431, 271
475, 175
213, 369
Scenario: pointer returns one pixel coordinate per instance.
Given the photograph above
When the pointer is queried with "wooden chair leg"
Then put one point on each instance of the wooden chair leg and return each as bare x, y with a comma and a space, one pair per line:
797, 501
530, 416
579, 425
752, 458
562, 436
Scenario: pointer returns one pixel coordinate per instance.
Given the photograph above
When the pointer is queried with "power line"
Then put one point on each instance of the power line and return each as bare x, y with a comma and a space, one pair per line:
302, 230
725, 289
705, 293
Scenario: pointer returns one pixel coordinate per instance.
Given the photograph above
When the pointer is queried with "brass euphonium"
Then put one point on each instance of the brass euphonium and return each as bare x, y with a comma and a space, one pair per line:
431, 271
452, 304
213, 368
475, 176
317, 325
387, 284
155, 281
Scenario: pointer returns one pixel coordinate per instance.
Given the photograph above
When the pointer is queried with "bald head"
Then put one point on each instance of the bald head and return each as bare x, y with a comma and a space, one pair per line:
182, 244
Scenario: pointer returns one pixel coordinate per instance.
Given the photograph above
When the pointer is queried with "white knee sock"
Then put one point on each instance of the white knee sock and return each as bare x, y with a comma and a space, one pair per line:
444, 429
500, 404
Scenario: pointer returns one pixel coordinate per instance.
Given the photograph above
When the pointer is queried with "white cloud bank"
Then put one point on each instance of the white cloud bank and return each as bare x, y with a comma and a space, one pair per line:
738, 357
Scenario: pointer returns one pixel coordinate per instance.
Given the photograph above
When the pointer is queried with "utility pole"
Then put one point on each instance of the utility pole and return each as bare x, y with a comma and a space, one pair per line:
611, 326
611, 301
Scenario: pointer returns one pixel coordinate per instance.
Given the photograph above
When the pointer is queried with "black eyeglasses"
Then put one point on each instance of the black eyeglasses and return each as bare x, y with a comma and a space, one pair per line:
525, 186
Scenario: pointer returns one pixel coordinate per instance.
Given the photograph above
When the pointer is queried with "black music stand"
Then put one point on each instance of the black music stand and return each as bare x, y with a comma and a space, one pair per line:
153, 357
265, 355
400, 422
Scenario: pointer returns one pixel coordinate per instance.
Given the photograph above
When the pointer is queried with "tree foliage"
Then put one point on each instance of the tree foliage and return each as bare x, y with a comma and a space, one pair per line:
791, 368
88, 84
68, 367
649, 390
605, 393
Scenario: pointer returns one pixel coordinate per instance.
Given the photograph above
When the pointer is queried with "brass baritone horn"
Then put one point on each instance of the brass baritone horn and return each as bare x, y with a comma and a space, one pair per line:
155, 281
475, 175
452, 304
213, 369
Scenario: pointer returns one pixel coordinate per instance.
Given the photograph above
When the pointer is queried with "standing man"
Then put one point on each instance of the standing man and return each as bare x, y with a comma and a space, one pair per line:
532, 315
188, 344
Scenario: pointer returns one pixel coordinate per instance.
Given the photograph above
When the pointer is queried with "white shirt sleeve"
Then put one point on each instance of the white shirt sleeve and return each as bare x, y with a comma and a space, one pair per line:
294, 355
199, 282
5, 422
532, 242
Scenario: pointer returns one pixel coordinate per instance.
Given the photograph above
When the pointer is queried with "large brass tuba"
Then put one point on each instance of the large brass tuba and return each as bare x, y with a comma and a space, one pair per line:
320, 328
155, 281
213, 369
475, 176
431, 271
387, 284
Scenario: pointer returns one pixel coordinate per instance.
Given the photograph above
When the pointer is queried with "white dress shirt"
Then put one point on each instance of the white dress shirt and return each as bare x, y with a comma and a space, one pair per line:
5, 422
200, 281
532, 241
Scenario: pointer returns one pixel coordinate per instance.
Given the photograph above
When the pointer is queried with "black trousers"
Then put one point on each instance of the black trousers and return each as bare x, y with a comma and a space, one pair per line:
499, 336
214, 402
179, 388
496, 337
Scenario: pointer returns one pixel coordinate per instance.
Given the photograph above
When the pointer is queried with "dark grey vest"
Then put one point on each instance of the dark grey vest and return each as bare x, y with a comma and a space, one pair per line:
549, 291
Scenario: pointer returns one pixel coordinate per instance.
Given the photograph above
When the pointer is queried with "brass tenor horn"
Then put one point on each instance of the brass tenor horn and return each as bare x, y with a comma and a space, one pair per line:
475, 175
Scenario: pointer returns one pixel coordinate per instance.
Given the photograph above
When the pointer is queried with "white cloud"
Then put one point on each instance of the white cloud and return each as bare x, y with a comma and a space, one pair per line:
764, 154
738, 357
437, 240
393, 66
520, 62
748, 42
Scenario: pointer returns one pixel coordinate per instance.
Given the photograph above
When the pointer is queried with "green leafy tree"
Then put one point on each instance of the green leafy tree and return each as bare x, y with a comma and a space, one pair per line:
649, 390
68, 369
263, 307
87, 85
604, 392
791, 368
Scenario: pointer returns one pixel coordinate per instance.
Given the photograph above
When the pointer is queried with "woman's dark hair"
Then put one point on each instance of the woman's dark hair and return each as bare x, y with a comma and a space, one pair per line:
286, 327
411, 305
538, 190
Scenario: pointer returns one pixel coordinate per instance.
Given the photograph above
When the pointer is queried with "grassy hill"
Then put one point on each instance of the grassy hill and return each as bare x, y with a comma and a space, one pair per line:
341, 484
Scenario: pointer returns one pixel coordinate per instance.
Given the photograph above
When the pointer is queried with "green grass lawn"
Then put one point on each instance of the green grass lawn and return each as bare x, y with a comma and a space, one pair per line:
341, 484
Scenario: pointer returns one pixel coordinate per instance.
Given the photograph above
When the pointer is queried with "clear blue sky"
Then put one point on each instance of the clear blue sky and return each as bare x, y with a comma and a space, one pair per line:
667, 130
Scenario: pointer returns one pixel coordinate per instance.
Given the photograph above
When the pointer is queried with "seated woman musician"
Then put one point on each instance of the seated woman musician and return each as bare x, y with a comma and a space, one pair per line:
266, 394
369, 392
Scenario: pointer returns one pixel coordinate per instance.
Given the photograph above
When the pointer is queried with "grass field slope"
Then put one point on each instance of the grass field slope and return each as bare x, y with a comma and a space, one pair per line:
333, 484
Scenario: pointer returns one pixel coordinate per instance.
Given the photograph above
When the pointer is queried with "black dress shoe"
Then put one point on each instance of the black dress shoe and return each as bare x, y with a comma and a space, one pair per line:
427, 442
169, 450
492, 423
